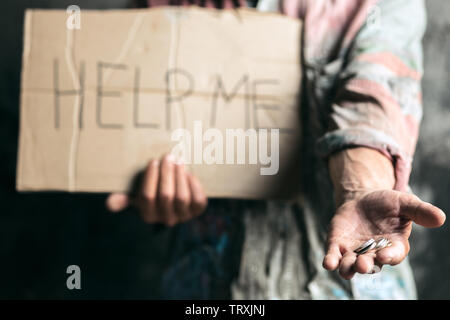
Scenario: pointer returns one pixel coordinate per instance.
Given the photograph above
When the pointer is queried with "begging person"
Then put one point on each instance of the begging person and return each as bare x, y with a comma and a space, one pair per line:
361, 108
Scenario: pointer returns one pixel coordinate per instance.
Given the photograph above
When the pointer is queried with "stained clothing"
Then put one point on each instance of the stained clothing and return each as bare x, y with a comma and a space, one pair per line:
362, 64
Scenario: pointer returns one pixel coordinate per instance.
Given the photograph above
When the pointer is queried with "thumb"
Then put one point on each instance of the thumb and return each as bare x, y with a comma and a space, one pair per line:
117, 202
422, 213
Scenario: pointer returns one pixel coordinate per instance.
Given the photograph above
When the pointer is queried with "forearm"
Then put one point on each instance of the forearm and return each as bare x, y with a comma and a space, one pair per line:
356, 171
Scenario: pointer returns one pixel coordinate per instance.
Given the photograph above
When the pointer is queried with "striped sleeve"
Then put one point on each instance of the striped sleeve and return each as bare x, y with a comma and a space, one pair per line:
378, 101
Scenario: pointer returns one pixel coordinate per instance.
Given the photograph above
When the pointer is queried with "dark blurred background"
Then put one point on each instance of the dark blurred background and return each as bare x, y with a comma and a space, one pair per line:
120, 257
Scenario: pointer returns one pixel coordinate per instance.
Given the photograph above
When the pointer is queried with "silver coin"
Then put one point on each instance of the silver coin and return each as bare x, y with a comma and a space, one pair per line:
368, 248
365, 245
381, 243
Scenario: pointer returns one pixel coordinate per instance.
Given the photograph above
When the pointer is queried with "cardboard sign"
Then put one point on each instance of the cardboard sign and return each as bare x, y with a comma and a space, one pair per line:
100, 98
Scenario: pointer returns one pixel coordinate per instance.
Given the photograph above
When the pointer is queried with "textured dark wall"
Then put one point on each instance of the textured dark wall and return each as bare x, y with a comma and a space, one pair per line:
41, 234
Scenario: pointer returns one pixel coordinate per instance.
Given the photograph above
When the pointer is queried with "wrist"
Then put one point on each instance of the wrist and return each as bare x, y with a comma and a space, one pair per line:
343, 196
357, 171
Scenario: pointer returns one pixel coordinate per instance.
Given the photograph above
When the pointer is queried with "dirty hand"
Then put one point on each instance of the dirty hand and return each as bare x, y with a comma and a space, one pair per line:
168, 194
369, 208
376, 214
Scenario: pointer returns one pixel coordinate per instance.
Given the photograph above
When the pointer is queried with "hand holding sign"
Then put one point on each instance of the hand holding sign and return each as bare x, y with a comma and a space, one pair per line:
168, 194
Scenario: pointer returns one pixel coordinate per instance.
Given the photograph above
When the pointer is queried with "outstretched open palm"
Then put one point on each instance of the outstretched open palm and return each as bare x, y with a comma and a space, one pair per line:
384, 213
